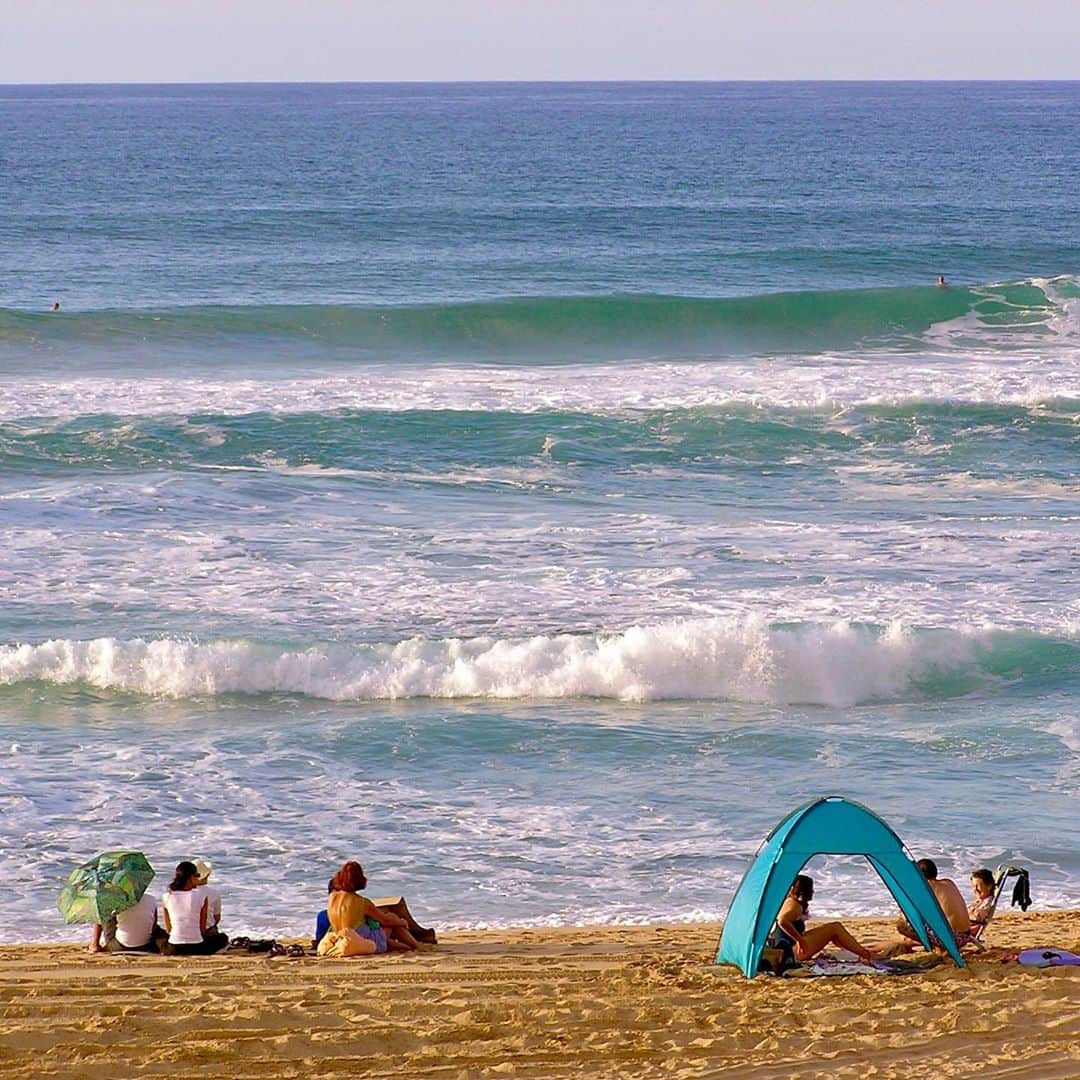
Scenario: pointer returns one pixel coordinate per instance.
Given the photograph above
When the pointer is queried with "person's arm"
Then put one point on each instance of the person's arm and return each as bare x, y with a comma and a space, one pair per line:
383, 918
95, 940
785, 921
165, 916
202, 916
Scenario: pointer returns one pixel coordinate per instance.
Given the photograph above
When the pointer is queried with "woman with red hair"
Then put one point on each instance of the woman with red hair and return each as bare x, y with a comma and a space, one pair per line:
348, 910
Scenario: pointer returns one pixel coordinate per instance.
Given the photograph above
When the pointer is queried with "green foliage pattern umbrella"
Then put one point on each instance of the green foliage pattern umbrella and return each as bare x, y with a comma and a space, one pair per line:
108, 884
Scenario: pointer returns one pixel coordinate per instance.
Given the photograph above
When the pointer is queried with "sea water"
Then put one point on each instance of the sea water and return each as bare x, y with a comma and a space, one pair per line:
535, 492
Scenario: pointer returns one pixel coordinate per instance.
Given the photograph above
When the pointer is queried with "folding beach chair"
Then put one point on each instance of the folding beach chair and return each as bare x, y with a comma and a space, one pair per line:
1021, 897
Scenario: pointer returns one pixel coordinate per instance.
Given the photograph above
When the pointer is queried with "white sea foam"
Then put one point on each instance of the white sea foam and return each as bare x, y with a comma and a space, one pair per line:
1033, 378
713, 659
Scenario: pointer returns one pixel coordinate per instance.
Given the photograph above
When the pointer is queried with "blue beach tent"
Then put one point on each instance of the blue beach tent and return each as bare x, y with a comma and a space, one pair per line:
827, 826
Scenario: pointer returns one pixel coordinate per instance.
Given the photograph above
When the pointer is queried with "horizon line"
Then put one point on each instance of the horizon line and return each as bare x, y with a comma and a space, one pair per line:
543, 82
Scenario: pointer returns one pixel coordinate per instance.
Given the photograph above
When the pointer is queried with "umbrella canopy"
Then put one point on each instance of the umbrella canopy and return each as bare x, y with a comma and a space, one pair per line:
106, 885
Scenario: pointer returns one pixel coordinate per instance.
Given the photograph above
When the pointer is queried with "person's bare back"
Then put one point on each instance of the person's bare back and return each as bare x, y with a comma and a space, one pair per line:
949, 900
952, 903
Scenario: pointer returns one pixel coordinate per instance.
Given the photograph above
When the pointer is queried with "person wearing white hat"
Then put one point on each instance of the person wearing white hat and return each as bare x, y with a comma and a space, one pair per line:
213, 897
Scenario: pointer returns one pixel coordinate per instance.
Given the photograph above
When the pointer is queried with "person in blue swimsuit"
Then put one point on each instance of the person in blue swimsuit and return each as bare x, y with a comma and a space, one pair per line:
805, 944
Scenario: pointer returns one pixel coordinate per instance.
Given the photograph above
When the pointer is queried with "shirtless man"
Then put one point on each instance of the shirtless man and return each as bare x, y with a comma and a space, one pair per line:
951, 901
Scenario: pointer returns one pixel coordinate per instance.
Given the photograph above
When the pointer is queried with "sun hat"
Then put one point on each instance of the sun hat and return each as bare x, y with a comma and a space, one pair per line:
204, 867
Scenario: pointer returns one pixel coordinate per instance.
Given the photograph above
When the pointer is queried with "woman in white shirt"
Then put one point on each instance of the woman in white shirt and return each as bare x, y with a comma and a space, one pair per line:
184, 907
133, 930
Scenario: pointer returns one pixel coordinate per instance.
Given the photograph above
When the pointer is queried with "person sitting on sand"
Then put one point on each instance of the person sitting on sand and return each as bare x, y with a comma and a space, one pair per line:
322, 920
949, 900
213, 909
348, 910
806, 944
980, 910
185, 909
133, 930
395, 905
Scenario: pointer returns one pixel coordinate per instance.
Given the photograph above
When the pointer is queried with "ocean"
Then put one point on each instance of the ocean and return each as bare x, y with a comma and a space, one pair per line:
536, 491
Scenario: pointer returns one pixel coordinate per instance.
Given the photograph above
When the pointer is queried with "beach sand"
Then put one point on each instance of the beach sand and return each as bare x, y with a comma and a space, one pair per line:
611, 1002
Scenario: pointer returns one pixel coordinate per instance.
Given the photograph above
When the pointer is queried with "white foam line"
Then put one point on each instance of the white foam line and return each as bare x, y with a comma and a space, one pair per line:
712, 659
821, 383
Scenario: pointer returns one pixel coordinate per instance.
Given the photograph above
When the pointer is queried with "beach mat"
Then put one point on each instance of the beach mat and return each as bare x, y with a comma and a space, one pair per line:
826, 966
1041, 958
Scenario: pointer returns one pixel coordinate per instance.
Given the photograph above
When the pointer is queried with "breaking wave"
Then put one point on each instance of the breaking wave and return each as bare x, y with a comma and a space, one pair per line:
839, 665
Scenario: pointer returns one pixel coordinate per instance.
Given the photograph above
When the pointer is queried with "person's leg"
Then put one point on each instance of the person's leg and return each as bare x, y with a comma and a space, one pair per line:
214, 942
904, 928
197, 948
817, 937
401, 909
896, 948
114, 946
400, 935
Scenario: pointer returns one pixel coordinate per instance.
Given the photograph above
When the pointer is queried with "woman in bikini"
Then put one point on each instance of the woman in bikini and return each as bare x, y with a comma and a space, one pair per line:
806, 944
348, 910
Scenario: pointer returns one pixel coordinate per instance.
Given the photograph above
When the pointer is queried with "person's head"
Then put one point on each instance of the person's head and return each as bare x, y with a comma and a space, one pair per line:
982, 883
802, 889
350, 878
928, 868
205, 869
56, 305
186, 877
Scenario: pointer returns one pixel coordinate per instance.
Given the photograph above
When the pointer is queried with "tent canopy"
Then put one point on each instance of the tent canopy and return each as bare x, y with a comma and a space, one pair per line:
826, 826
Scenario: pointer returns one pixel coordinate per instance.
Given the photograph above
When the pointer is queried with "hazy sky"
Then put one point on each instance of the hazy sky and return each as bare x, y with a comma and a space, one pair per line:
362, 40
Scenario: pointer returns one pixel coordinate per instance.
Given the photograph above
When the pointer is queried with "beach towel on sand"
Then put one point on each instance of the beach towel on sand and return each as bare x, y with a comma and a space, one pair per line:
833, 966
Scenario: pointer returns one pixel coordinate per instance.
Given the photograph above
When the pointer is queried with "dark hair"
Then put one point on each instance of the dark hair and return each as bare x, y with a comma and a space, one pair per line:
984, 876
350, 878
928, 868
186, 872
330, 886
802, 888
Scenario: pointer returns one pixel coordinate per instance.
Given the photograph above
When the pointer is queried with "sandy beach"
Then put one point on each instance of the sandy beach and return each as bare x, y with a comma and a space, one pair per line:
612, 1002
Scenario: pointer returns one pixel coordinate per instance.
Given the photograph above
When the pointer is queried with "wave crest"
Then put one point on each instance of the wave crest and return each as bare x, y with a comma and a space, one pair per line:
839, 665
565, 327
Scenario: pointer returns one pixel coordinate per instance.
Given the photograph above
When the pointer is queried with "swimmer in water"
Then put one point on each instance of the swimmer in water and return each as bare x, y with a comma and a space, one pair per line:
56, 306
941, 282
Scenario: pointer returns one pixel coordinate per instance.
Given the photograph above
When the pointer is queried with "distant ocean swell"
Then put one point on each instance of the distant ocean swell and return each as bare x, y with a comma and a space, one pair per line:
561, 327
839, 665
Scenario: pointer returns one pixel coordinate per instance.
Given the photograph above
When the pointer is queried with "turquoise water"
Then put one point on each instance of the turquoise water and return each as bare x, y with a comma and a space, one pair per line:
535, 491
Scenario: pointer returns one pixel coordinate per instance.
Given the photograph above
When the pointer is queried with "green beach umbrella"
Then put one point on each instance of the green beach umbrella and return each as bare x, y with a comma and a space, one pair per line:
106, 885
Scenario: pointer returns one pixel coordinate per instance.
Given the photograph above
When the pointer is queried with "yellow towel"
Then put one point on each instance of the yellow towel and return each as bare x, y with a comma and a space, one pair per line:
339, 944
